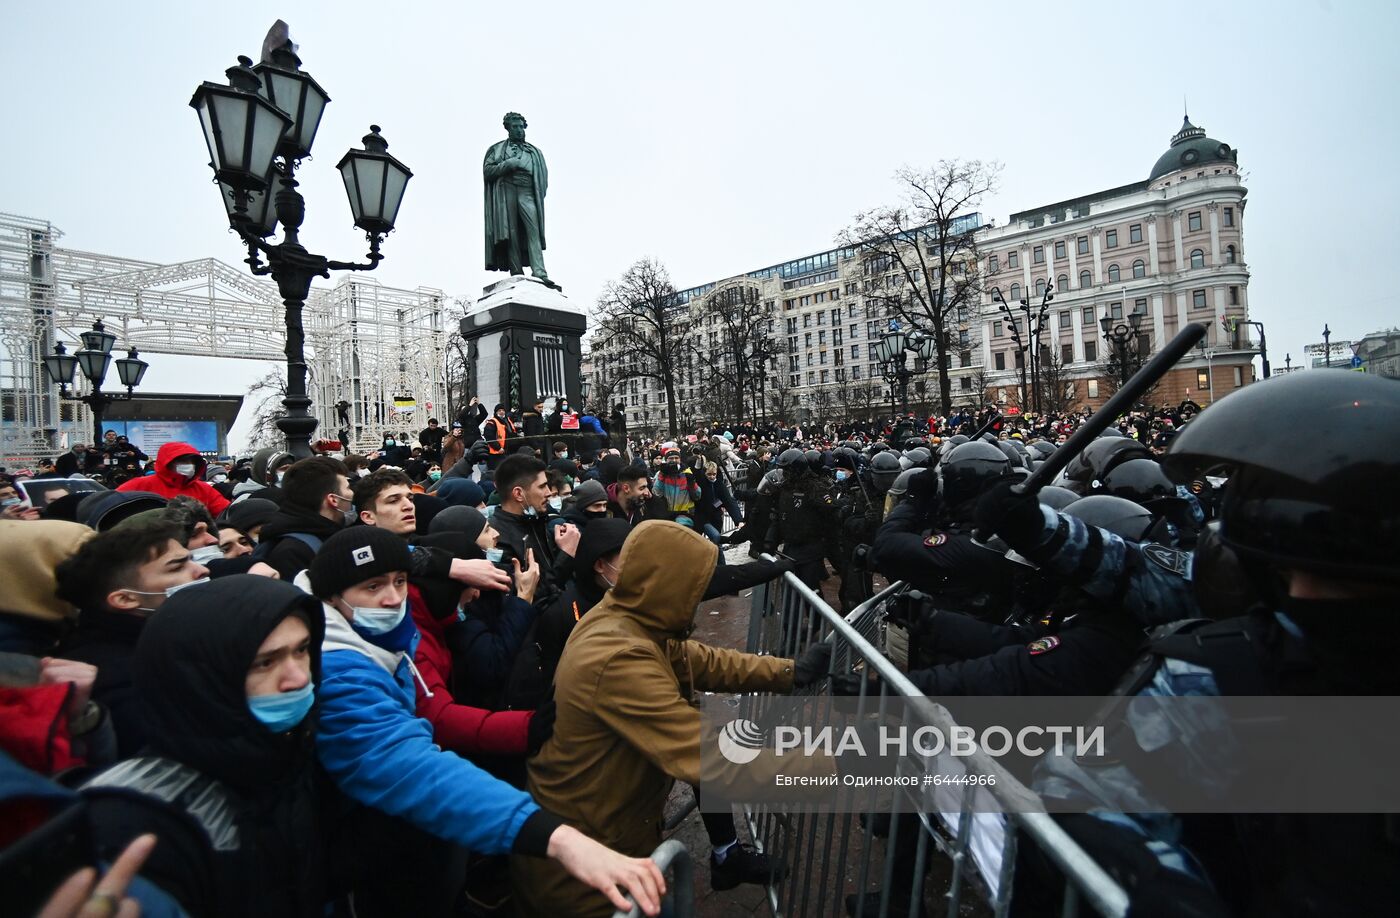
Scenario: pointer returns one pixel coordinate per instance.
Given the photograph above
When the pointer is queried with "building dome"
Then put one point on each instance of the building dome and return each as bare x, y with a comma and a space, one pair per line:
1191, 148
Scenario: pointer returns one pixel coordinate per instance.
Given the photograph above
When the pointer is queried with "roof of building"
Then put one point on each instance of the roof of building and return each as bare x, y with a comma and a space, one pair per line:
1191, 147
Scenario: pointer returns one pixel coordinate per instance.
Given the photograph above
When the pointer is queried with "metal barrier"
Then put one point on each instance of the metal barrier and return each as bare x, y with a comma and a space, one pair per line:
672, 854
823, 853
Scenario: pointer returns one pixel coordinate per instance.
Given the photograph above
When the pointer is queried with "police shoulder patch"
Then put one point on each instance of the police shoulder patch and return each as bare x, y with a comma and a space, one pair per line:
936, 539
1172, 559
1043, 645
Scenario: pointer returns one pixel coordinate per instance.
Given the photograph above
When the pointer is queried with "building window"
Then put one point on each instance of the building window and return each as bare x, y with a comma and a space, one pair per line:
855, 351
1135, 233
965, 383
1062, 283
1239, 377
1020, 359
807, 340
1115, 310
1229, 254
1193, 222
1202, 379
1015, 292
821, 338
825, 375
964, 358
999, 360
1066, 353
855, 372
1060, 249
1011, 260
1139, 269
1065, 320
996, 328
807, 320
1040, 286
1082, 244
993, 264
1086, 280
1091, 351
1088, 316
1140, 305
1198, 299
1234, 296
1111, 239
810, 358
1093, 388
1114, 275
1229, 216
855, 332
1198, 258
1038, 254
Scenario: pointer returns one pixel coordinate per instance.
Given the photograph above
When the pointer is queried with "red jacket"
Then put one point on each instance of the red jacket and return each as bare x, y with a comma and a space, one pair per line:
168, 484
462, 729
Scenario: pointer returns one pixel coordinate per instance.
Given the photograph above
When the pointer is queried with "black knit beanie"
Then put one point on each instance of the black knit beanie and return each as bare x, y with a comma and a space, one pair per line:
353, 556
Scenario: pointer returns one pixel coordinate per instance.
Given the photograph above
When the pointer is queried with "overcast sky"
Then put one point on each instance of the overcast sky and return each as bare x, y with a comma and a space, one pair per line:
722, 137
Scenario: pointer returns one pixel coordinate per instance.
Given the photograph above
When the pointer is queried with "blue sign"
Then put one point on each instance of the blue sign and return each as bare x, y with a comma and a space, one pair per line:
1355, 361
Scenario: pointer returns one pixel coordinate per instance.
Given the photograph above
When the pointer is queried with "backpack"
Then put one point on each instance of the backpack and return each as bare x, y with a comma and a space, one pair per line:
265, 548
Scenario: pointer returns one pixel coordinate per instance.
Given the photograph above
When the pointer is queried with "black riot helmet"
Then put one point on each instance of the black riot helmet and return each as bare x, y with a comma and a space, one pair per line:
789, 459
970, 469
1137, 480
1040, 449
1015, 453
1098, 459
1327, 502
843, 457
1121, 517
814, 459
884, 469
959, 439
1057, 498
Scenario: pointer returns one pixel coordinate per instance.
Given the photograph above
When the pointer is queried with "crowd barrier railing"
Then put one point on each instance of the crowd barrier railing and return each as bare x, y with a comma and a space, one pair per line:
828, 856
673, 856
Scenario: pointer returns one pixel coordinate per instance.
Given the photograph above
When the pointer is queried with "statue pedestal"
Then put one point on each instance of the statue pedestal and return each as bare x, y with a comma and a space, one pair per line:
523, 340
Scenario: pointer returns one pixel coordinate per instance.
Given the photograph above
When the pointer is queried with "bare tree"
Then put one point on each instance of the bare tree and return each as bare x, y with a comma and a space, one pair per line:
639, 315
920, 257
266, 395
732, 346
1057, 386
983, 387
456, 370
1117, 364
781, 400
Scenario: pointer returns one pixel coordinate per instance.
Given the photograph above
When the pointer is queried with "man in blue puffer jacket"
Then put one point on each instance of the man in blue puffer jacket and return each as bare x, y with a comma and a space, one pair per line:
424, 804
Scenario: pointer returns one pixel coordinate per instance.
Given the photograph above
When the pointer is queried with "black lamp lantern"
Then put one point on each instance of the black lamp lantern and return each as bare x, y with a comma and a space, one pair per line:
98, 339
926, 347
241, 128
61, 365
258, 217
374, 182
94, 365
1106, 325
1135, 320
584, 386
294, 92
130, 369
899, 341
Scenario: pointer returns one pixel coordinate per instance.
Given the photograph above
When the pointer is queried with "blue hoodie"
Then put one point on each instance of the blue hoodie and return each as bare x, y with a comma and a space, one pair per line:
381, 754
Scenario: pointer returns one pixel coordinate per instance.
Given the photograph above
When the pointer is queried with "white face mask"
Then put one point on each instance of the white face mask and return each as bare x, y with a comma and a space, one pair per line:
168, 591
184, 468
204, 555
556, 504
377, 620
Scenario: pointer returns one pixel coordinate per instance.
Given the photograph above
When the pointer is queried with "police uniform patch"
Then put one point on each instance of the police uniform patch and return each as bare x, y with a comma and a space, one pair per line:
1043, 645
1173, 559
935, 540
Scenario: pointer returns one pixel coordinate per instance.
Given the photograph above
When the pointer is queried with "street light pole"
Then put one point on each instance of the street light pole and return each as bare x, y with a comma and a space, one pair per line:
1124, 339
273, 111
1327, 345
94, 359
1015, 336
1035, 326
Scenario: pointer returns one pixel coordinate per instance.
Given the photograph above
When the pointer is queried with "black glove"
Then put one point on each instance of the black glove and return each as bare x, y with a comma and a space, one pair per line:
541, 728
923, 486
481, 450
813, 665
1015, 517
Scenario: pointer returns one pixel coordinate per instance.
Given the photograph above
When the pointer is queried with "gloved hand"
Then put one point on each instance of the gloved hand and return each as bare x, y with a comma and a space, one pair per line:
813, 665
1017, 518
923, 486
481, 451
541, 728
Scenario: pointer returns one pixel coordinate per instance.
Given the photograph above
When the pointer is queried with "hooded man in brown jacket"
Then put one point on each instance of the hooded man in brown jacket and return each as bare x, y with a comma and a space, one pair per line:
625, 727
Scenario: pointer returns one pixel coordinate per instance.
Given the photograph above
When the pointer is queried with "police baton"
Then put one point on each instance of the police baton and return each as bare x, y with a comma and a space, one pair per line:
1122, 400
986, 428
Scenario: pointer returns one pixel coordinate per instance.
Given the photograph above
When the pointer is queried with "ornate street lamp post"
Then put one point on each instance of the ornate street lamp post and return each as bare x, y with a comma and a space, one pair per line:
258, 128
94, 359
892, 350
1035, 327
1124, 339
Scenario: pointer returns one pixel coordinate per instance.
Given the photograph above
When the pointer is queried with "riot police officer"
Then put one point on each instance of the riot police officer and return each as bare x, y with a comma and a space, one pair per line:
805, 520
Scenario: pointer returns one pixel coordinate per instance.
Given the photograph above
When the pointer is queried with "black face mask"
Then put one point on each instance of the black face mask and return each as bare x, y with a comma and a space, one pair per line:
595, 514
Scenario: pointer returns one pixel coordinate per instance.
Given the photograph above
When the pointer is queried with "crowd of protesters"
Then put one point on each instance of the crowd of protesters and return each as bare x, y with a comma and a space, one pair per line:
454, 675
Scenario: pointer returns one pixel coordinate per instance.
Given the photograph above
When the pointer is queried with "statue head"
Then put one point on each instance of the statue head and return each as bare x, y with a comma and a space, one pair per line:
515, 125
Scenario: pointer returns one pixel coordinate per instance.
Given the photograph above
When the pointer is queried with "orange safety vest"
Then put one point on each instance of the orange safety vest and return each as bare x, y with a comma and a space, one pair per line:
500, 445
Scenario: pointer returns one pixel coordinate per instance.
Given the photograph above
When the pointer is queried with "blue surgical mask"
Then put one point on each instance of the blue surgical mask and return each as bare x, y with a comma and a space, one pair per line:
374, 620
284, 710
842, 474
495, 555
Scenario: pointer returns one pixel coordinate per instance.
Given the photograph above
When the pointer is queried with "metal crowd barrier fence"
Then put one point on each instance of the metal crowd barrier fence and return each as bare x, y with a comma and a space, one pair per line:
672, 855
828, 856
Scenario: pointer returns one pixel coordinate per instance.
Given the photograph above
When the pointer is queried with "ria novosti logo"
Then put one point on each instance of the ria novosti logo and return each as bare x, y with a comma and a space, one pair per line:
741, 741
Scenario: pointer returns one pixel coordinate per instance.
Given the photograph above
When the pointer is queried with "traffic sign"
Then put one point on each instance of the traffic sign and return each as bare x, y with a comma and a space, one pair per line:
1355, 361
